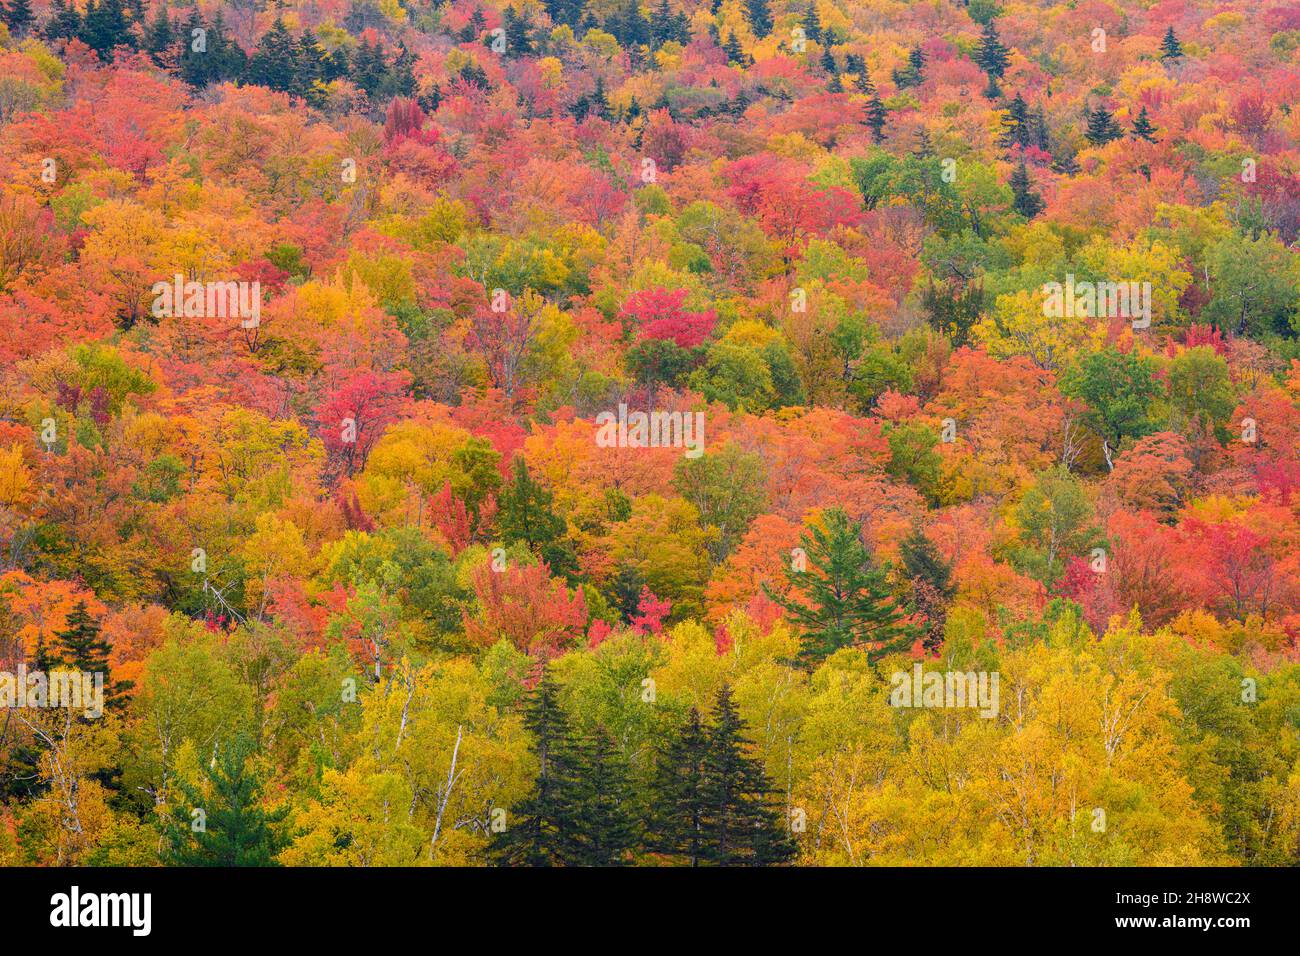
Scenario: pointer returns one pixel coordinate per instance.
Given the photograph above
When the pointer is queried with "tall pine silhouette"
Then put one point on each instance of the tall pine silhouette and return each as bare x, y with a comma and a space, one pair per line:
540, 830
713, 800
843, 598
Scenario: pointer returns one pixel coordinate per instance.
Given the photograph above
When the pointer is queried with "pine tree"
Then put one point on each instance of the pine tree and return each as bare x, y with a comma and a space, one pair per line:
160, 39
274, 64
829, 66
876, 113
105, 27
64, 22
18, 16
519, 33
1101, 127
1026, 202
678, 811
760, 17
666, 26
953, 311
195, 65
914, 73
540, 830
843, 598
741, 826
606, 821
812, 23
236, 829
1170, 48
735, 52
1142, 128
527, 514
992, 54
932, 587
81, 647
1015, 125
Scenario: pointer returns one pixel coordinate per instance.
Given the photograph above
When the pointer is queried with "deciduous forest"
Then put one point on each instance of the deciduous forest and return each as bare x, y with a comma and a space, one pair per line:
679, 433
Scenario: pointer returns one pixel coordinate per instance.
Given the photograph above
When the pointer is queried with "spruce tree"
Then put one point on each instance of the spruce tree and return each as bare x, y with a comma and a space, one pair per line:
18, 16
914, 73
236, 829
1102, 127
81, 647
1170, 48
1142, 128
924, 148
196, 66
1015, 125
1038, 135
606, 821
678, 811
843, 598
160, 39
742, 827
526, 513
64, 22
229, 61
992, 54
812, 23
735, 52
399, 79
368, 67
876, 113
540, 830
1027, 202
760, 17
275, 63
518, 29
829, 66
105, 27
666, 26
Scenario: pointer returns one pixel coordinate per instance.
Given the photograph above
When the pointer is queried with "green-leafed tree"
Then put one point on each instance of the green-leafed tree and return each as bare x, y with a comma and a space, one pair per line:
1101, 127
606, 817
1142, 128
527, 514
231, 827
742, 827
677, 809
760, 17
541, 831
1170, 48
843, 597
